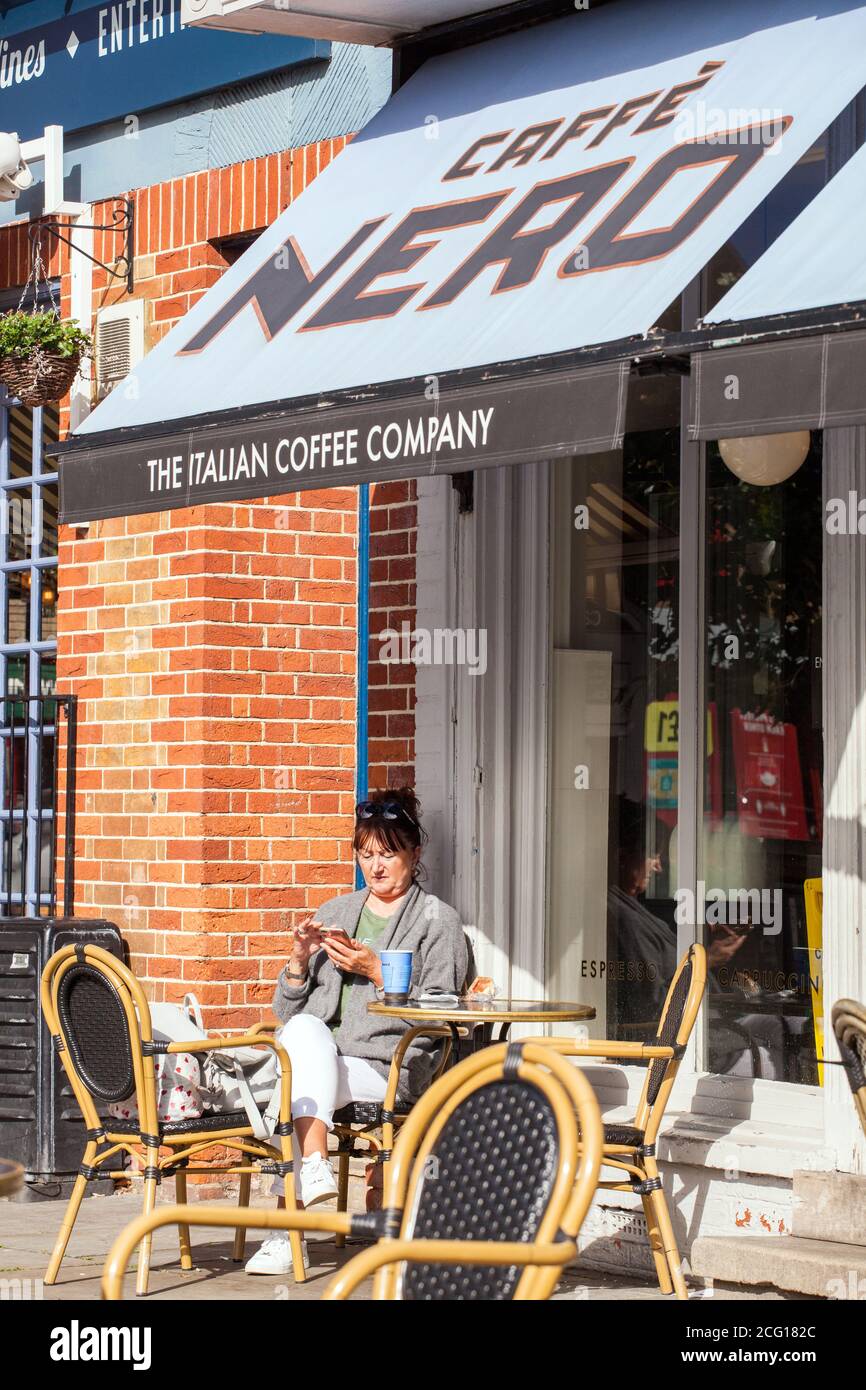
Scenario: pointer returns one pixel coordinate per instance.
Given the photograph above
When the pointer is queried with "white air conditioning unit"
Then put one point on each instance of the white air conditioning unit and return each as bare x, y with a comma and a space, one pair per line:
119, 343
347, 21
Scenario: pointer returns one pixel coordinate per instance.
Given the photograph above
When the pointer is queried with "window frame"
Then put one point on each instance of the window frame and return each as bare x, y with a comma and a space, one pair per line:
34, 650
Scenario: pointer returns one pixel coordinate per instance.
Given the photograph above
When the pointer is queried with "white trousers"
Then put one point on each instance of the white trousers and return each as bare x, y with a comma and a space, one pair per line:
322, 1080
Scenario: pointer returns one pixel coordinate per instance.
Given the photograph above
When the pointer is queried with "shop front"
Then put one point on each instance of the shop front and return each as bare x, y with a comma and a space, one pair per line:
516, 286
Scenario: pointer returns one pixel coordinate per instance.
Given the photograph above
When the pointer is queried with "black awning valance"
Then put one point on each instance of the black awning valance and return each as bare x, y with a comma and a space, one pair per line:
812, 382
581, 410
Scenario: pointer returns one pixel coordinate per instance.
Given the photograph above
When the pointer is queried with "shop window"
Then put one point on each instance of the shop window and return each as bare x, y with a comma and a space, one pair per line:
619, 896
763, 808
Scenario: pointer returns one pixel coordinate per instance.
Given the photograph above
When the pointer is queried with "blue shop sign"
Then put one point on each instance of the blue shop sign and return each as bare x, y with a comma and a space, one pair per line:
104, 62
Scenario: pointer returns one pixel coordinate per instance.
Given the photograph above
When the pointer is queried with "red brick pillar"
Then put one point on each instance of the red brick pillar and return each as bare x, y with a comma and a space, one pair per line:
214, 654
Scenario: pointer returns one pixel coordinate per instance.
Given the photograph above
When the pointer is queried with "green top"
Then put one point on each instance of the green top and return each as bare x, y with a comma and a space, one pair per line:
370, 930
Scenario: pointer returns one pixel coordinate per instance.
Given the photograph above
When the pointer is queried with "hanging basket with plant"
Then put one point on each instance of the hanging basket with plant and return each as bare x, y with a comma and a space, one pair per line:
40, 352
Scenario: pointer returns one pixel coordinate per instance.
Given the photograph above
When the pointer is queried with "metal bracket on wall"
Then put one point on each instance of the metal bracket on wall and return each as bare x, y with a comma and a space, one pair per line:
122, 224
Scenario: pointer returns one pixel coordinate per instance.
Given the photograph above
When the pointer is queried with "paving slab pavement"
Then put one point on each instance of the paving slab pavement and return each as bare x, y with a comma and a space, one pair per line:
28, 1229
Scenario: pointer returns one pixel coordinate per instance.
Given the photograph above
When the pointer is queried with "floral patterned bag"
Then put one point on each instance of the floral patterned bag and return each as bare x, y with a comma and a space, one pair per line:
179, 1090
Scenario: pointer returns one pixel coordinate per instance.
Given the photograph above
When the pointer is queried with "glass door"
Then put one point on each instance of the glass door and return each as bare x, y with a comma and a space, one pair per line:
615, 720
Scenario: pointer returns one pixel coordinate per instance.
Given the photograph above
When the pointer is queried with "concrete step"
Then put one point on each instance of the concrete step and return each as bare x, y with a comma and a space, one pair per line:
830, 1206
814, 1268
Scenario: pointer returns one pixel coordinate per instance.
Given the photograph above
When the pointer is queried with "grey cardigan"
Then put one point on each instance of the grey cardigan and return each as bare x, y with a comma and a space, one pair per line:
423, 925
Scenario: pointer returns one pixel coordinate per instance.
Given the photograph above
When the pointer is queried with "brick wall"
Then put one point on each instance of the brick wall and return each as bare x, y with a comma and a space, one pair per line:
177, 222
213, 651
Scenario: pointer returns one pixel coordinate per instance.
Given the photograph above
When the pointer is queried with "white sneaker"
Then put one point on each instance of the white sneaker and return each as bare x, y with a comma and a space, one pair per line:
274, 1256
317, 1180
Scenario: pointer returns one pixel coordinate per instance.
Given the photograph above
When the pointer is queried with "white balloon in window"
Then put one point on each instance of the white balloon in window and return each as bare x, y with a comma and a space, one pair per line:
766, 459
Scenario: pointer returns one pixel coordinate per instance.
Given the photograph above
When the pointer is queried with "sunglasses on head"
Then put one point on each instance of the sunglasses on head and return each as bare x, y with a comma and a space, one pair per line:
385, 810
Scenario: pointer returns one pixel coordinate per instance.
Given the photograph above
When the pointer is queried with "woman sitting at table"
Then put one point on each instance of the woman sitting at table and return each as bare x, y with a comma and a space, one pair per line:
339, 1052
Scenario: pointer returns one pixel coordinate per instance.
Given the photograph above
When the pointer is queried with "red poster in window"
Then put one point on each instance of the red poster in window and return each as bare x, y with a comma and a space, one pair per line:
769, 782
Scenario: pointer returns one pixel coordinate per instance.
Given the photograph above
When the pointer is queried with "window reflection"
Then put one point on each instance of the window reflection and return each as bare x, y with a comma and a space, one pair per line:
612, 939
20, 442
763, 803
18, 605
48, 605
47, 519
19, 523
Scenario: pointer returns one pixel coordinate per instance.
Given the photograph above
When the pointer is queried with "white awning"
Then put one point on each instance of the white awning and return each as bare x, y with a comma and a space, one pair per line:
517, 207
347, 21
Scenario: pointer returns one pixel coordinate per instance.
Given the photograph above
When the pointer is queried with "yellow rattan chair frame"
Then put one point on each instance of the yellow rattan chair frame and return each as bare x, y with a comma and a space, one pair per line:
542, 1260
155, 1153
638, 1162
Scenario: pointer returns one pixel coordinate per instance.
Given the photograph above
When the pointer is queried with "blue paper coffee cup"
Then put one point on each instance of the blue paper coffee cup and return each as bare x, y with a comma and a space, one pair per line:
396, 975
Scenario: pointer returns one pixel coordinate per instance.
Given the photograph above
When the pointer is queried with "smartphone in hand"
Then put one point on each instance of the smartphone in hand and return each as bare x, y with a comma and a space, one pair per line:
335, 934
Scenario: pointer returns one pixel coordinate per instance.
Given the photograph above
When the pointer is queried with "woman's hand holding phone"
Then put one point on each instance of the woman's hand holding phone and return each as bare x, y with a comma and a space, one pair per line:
352, 956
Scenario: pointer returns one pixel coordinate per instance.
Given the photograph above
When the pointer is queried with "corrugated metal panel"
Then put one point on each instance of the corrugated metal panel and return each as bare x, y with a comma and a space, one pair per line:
357, 85
250, 121
313, 102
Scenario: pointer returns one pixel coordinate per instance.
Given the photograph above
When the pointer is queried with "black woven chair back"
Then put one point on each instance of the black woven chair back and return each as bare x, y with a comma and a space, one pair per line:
96, 1032
489, 1176
667, 1033
854, 1059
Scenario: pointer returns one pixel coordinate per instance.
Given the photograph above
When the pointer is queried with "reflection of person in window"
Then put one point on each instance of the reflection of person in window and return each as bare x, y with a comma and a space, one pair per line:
743, 1042
642, 948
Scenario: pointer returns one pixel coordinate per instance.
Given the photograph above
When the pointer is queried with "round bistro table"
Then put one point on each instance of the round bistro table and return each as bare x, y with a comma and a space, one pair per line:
482, 1015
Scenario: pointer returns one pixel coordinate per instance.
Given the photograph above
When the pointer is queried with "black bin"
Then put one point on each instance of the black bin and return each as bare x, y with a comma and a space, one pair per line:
41, 1125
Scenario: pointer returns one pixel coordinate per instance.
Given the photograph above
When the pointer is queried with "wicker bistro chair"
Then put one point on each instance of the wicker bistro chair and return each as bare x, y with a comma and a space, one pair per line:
849, 1025
632, 1147
100, 1023
491, 1178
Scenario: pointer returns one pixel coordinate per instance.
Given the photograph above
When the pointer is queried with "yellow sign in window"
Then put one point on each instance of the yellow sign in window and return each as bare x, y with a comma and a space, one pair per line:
662, 728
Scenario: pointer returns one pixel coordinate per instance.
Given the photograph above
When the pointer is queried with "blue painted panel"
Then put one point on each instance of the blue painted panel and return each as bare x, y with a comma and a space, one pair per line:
100, 62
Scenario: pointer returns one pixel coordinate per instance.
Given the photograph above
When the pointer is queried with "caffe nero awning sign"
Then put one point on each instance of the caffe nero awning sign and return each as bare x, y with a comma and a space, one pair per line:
442, 295
79, 63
